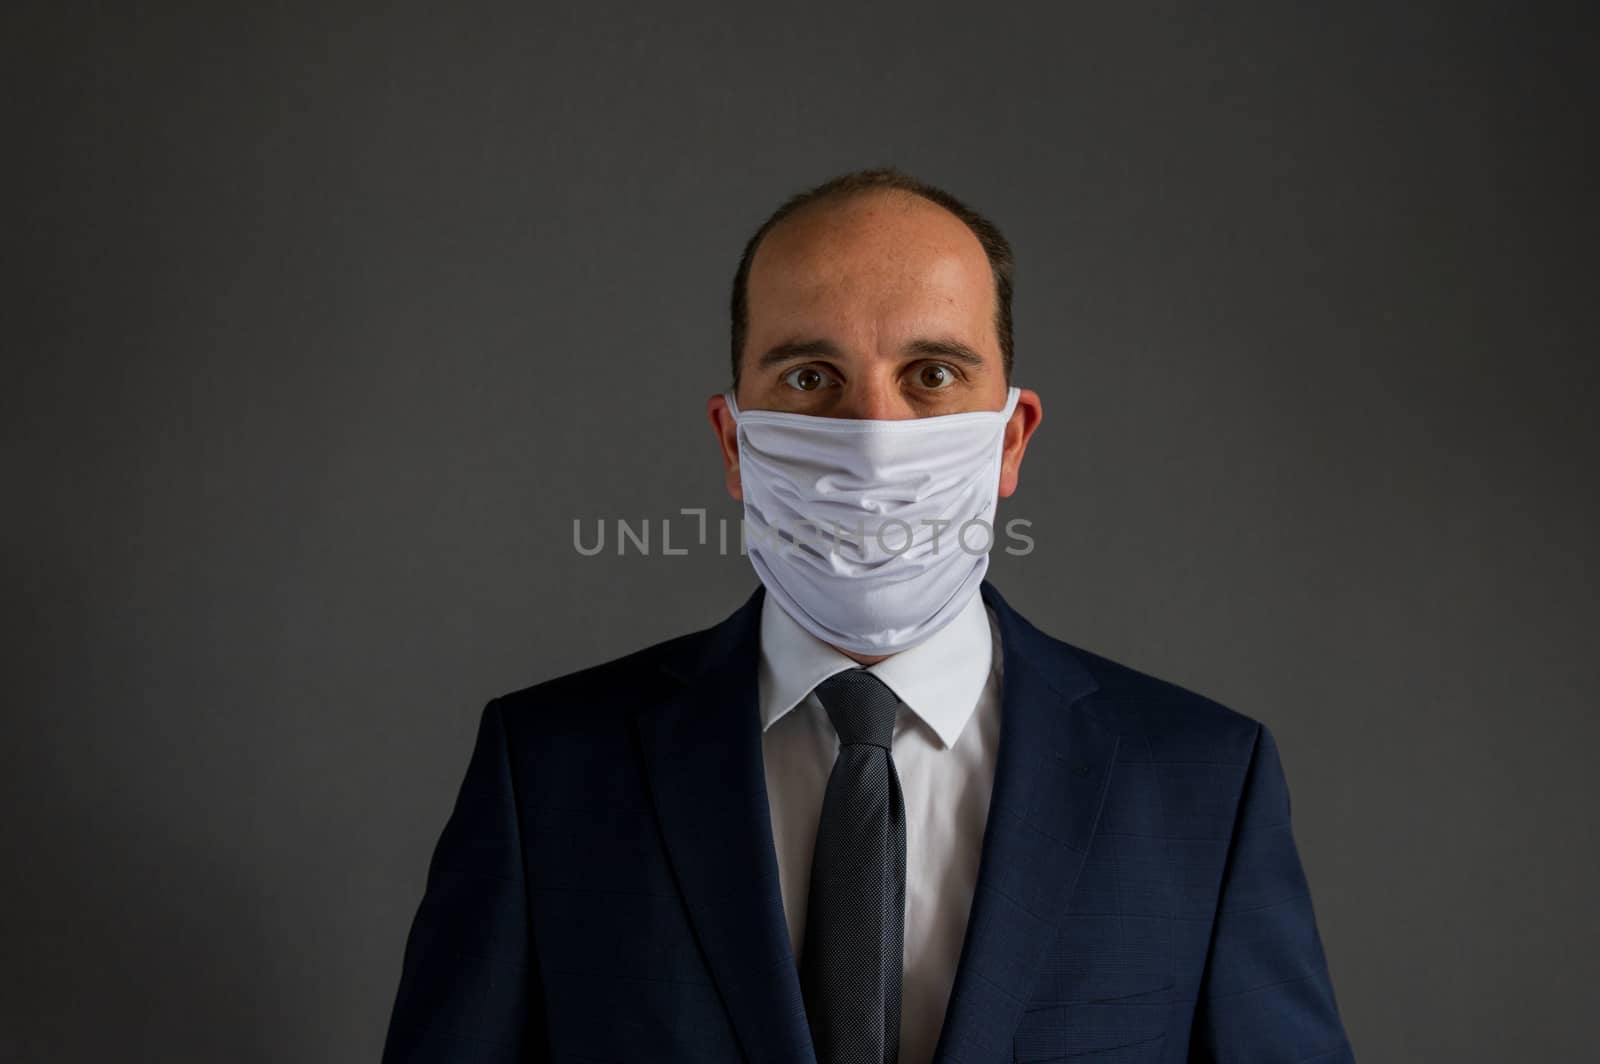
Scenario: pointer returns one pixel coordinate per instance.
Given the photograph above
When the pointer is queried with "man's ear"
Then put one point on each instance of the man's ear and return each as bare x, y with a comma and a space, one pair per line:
1025, 418
728, 440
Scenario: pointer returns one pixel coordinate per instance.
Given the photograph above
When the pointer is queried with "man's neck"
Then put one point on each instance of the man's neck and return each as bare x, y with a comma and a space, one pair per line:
862, 659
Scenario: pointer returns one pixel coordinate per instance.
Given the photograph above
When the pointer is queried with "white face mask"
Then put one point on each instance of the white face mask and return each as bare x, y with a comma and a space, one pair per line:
872, 535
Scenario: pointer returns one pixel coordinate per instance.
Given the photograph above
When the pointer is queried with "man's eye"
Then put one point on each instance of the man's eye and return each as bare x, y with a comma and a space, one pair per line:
936, 375
806, 378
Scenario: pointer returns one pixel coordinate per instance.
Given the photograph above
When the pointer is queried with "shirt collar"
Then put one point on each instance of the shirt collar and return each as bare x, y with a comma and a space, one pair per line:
939, 679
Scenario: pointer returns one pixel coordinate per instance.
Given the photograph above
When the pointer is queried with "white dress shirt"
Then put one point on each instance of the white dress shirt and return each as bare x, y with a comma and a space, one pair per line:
946, 735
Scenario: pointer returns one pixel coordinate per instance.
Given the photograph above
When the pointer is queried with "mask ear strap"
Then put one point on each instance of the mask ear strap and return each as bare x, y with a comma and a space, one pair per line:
732, 404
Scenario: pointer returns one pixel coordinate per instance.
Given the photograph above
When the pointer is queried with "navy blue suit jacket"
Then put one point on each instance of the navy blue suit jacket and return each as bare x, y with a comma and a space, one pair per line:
606, 888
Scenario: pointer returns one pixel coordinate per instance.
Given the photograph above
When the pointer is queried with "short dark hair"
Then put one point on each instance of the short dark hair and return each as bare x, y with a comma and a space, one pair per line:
883, 178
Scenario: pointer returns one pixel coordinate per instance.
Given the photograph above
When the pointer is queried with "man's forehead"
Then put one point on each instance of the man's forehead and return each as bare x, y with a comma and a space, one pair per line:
880, 242
891, 226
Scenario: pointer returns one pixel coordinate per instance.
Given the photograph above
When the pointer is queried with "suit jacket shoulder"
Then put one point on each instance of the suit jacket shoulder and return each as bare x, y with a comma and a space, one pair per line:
573, 734
1155, 719
1172, 722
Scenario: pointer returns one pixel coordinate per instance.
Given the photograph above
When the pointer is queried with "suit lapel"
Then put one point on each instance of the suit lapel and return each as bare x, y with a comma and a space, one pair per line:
1053, 765
702, 752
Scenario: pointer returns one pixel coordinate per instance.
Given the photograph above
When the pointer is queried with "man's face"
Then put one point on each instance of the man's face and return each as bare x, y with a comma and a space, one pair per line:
881, 306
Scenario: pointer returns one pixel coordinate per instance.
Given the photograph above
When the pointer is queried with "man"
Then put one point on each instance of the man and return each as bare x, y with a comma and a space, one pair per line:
874, 815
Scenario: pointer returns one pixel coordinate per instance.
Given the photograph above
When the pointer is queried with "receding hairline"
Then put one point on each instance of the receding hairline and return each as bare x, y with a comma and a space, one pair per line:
854, 186
816, 209
908, 199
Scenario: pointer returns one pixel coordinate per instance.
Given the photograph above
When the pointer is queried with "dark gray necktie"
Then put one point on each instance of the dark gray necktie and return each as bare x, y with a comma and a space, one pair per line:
855, 916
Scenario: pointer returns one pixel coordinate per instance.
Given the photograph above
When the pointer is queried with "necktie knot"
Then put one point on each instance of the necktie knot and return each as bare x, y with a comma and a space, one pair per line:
861, 707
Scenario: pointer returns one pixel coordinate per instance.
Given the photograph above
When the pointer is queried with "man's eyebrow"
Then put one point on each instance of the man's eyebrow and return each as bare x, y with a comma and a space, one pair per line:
790, 350
943, 347
954, 350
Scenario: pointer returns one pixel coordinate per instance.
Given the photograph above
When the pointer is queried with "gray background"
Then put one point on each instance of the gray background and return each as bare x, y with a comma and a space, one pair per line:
322, 328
